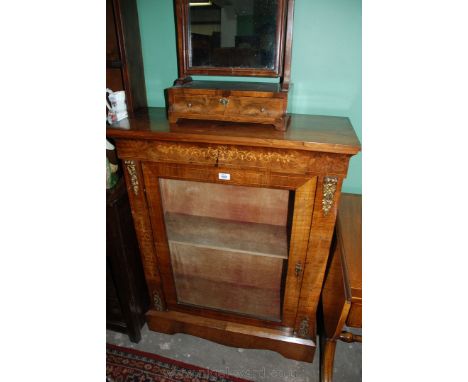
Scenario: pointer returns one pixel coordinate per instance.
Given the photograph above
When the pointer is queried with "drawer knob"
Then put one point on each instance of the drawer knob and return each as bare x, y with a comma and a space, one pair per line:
262, 109
189, 105
224, 101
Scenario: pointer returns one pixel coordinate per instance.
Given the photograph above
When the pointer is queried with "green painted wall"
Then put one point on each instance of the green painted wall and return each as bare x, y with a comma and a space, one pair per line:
158, 43
326, 63
326, 66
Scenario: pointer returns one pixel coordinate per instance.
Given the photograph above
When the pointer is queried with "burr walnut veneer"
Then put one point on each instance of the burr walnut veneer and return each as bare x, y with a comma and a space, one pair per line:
229, 101
234, 223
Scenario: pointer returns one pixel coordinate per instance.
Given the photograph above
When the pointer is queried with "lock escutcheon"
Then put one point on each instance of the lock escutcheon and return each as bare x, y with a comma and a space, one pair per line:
224, 101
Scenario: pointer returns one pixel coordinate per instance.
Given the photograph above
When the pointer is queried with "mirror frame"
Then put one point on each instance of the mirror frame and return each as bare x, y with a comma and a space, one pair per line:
283, 38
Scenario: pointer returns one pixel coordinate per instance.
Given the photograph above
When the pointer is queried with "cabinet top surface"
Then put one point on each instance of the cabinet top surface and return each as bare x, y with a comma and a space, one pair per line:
305, 132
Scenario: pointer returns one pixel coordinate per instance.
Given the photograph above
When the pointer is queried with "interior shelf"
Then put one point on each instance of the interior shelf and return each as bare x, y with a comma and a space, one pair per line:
227, 280
227, 235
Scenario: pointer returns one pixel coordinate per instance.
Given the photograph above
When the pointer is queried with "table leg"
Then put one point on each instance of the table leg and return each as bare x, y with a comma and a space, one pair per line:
327, 357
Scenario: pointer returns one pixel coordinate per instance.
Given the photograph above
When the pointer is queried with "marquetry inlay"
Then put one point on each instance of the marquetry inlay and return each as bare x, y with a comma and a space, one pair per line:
188, 152
145, 240
131, 168
233, 153
224, 153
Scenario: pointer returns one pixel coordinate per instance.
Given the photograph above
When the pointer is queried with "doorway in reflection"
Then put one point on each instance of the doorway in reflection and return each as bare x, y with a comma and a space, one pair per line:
233, 33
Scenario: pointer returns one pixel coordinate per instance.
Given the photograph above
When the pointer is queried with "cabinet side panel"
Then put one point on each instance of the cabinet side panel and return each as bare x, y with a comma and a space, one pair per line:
334, 304
321, 233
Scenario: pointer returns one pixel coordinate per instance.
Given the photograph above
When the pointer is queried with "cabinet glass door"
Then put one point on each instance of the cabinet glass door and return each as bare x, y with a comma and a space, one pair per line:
228, 245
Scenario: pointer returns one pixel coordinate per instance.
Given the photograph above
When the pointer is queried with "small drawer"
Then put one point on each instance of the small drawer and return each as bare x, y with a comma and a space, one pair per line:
255, 107
197, 104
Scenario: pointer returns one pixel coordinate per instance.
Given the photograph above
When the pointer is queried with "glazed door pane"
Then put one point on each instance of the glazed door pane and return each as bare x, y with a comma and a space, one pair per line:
228, 245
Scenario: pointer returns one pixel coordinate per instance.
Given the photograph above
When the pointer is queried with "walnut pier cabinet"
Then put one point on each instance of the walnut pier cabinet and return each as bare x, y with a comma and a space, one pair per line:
234, 223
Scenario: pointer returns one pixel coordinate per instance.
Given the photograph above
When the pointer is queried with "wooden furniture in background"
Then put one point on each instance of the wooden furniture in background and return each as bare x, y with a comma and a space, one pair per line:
127, 296
341, 301
124, 62
194, 188
235, 101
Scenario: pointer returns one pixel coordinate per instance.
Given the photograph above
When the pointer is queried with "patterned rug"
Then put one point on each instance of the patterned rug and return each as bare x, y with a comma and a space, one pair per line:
129, 365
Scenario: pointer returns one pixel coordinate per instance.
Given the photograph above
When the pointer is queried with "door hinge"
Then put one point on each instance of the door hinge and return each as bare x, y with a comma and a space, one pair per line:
157, 301
304, 328
298, 269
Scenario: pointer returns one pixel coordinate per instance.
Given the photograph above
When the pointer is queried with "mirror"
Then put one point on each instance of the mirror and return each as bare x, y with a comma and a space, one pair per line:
234, 34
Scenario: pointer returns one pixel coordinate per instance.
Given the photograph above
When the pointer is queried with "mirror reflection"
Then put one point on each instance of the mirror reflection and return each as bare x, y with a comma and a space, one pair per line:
233, 33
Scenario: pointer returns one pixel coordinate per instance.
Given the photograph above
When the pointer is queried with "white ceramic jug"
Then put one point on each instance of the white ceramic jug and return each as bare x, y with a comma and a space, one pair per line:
117, 106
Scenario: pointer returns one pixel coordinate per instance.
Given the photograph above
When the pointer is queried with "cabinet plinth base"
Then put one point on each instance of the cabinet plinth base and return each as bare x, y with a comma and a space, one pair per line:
232, 334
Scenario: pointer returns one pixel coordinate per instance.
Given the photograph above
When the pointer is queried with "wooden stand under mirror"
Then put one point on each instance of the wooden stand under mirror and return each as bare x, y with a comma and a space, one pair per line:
250, 38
